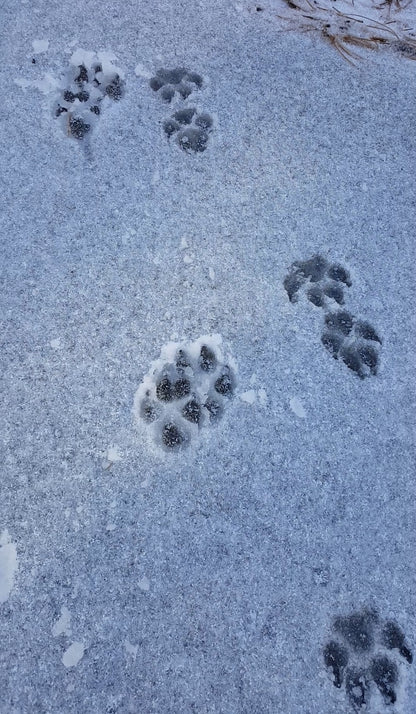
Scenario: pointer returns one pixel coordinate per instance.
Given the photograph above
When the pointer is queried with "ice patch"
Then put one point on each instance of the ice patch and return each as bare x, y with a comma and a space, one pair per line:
56, 344
73, 654
63, 625
8, 565
297, 407
40, 46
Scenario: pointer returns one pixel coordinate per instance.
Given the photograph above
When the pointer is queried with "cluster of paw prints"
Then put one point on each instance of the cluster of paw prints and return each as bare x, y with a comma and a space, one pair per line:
85, 91
189, 128
364, 656
186, 389
353, 341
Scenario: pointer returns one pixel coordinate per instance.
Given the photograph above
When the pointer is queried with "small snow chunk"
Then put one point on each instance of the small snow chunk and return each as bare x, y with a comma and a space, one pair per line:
211, 274
110, 527
187, 259
81, 56
112, 455
73, 654
144, 584
249, 397
297, 407
184, 243
56, 344
40, 46
63, 625
8, 565
262, 394
131, 649
141, 71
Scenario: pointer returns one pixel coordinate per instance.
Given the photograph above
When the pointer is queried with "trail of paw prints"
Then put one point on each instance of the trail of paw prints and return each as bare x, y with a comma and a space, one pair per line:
91, 82
188, 127
355, 342
186, 389
367, 657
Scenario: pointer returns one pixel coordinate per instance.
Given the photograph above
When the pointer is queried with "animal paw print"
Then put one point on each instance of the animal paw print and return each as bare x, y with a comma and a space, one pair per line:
186, 389
91, 81
365, 656
354, 342
190, 128
322, 280
167, 82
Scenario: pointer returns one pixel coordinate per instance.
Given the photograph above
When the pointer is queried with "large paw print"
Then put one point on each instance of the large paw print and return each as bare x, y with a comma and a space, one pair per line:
365, 655
91, 81
186, 389
190, 128
322, 280
355, 342
181, 80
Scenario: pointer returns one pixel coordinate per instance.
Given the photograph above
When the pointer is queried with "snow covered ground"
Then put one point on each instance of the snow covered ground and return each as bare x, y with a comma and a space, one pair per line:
139, 578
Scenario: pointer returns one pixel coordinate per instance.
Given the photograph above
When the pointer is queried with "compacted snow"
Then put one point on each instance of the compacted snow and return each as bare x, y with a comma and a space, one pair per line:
203, 205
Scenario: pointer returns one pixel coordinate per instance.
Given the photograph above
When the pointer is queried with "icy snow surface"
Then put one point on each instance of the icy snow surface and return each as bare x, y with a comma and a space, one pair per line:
230, 576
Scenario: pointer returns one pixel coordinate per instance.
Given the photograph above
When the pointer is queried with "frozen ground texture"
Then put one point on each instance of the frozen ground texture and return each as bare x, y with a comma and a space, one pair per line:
211, 578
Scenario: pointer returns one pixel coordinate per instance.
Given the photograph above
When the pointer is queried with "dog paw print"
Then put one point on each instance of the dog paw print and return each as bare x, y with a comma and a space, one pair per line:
190, 128
186, 389
322, 281
180, 80
92, 82
366, 656
353, 341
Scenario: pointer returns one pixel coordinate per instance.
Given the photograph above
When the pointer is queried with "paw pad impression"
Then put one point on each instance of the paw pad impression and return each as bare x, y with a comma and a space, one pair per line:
91, 82
190, 127
185, 390
181, 80
322, 280
365, 656
355, 342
